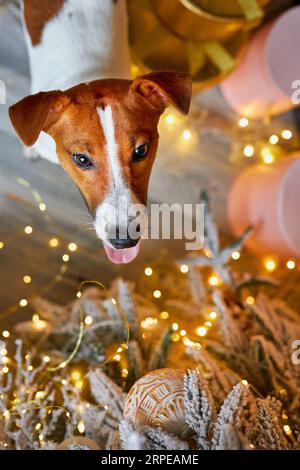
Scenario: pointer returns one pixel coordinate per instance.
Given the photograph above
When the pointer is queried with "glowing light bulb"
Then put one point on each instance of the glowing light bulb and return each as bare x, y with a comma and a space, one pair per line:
248, 151
267, 155
175, 337
81, 427
164, 315
148, 271
274, 139
46, 359
53, 242
5, 334
38, 323
250, 300
23, 303
286, 134
175, 326
182, 332
213, 315
170, 119
124, 373
243, 122
27, 279
287, 429
244, 382
290, 264
149, 322
28, 229
270, 264
157, 294
1, 245
88, 320
42, 207
201, 331
40, 395
72, 247
65, 258
75, 375
117, 357
186, 135
184, 268
236, 255
213, 280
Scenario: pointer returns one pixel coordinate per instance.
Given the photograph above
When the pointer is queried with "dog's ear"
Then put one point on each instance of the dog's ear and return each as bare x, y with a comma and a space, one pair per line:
35, 113
163, 88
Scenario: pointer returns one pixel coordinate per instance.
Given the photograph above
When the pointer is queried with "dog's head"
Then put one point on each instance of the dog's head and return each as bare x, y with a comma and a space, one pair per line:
106, 139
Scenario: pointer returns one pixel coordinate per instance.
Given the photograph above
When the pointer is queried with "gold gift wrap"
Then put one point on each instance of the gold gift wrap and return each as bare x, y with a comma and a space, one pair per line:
249, 9
188, 19
155, 47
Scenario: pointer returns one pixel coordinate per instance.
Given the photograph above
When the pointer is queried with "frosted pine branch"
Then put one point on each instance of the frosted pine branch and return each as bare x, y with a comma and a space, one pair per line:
230, 439
199, 407
230, 412
158, 439
107, 393
268, 431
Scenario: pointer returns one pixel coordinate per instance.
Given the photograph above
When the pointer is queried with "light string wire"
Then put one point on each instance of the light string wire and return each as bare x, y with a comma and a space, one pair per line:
66, 362
123, 345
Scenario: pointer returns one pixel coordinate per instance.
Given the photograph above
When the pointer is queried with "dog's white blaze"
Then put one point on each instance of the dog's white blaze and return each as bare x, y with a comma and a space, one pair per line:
114, 208
116, 179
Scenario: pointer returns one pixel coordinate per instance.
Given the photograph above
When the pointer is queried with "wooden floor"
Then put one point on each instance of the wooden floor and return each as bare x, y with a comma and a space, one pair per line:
177, 178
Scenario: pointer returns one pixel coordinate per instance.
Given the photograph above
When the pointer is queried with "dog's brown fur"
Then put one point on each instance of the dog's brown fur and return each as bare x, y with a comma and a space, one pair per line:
37, 13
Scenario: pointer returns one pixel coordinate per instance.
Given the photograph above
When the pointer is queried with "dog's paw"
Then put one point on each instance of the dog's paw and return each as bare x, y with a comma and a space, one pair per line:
30, 153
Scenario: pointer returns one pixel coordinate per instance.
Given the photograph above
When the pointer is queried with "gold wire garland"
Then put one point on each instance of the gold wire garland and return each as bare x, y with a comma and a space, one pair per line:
123, 345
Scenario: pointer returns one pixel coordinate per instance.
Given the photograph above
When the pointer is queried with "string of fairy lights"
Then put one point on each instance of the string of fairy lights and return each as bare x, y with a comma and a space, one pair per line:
53, 243
268, 150
265, 141
187, 338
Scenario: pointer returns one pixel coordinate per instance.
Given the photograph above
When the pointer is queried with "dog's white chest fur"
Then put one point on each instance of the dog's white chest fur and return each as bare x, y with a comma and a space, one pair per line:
86, 41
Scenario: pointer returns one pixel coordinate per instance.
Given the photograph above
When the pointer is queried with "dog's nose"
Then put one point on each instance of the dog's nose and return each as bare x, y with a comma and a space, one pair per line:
121, 242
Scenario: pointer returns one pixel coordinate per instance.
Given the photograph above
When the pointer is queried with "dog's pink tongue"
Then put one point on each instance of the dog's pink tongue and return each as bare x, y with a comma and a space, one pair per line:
122, 256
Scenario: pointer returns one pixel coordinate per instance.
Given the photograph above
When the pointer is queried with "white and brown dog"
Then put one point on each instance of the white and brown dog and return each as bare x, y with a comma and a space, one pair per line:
101, 126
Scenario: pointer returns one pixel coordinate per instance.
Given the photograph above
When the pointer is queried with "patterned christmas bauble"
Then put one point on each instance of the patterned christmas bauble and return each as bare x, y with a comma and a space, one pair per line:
78, 443
157, 399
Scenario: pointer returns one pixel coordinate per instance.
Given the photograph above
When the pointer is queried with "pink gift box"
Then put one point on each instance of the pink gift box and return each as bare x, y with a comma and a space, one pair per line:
267, 198
262, 84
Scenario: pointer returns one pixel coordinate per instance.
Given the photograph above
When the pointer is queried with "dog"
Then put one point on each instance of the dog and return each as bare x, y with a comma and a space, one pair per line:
86, 114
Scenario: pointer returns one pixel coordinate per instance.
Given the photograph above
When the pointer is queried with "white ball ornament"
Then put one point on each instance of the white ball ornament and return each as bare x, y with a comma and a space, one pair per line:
157, 399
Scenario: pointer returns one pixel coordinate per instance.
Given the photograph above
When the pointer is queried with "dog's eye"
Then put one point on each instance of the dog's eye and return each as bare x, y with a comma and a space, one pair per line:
82, 161
140, 152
